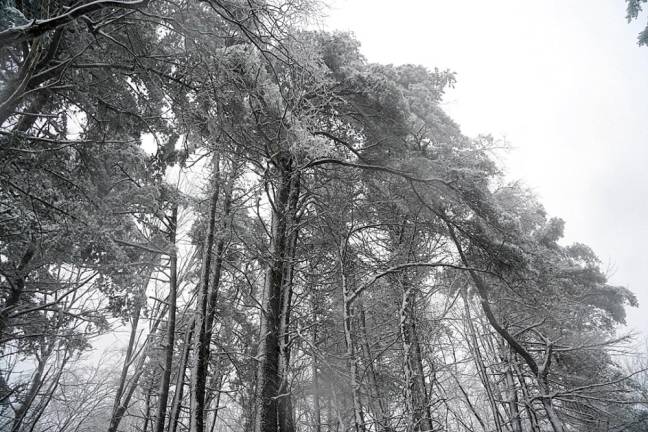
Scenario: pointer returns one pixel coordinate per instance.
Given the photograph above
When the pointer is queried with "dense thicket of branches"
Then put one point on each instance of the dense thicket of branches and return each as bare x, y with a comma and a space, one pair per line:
262, 231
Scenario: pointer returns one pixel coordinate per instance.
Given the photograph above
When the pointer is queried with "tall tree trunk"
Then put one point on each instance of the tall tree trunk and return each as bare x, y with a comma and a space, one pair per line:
285, 408
123, 400
556, 423
514, 412
317, 412
203, 346
218, 386
415, 387
269, 374
49, 393
526, 395
471, 406
34, 387
377, 401
219, 257
547, 404
202, 341
352, 359
479, 363
147, 410
491, 343
115, 419
174, 415
118, 414
171, 324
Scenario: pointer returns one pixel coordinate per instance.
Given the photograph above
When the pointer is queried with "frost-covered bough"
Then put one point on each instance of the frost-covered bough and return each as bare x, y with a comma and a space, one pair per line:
307, 243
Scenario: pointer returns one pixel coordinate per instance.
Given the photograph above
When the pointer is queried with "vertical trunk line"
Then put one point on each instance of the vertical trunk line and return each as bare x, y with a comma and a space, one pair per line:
114, 419
269, 375
199, 372
174, 415
285, 408
483, 372
171, 324
358, 414
316, 388
377, 400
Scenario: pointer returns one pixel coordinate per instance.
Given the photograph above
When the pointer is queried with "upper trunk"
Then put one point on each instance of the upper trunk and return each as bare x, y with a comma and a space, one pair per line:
415, 387
199, 372
276, 309
171, 324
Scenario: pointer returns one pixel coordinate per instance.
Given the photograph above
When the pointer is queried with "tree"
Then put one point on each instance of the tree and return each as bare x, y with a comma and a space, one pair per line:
292, 238
633, 9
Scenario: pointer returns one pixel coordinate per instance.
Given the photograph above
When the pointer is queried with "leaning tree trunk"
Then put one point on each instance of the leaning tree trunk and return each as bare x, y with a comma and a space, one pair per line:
540, 373
36, 383
123, 397
120, 411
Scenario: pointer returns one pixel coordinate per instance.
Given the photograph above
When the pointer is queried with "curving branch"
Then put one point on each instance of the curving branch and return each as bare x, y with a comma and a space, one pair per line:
37, 28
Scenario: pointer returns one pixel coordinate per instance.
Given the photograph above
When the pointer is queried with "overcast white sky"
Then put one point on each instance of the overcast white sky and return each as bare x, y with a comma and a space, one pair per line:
563, 81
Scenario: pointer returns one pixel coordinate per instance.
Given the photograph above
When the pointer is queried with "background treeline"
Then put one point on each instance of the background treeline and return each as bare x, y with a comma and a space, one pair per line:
280, 235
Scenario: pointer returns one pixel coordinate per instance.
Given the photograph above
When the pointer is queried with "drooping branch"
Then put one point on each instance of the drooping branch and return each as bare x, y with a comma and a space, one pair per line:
482, 290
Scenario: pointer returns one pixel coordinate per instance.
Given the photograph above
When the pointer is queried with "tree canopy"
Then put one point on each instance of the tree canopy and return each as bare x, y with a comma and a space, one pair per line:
279, 235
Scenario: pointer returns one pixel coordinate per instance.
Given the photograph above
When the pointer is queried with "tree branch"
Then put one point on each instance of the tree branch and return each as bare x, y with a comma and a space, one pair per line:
39, 27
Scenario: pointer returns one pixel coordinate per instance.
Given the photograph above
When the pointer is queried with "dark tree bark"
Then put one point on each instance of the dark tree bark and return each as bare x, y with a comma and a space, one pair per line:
352, 358
147, 410
285, 408
174, 414
202, 337
526, 394
416, 388
269, 375
163, 395
540, 372
513, 401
